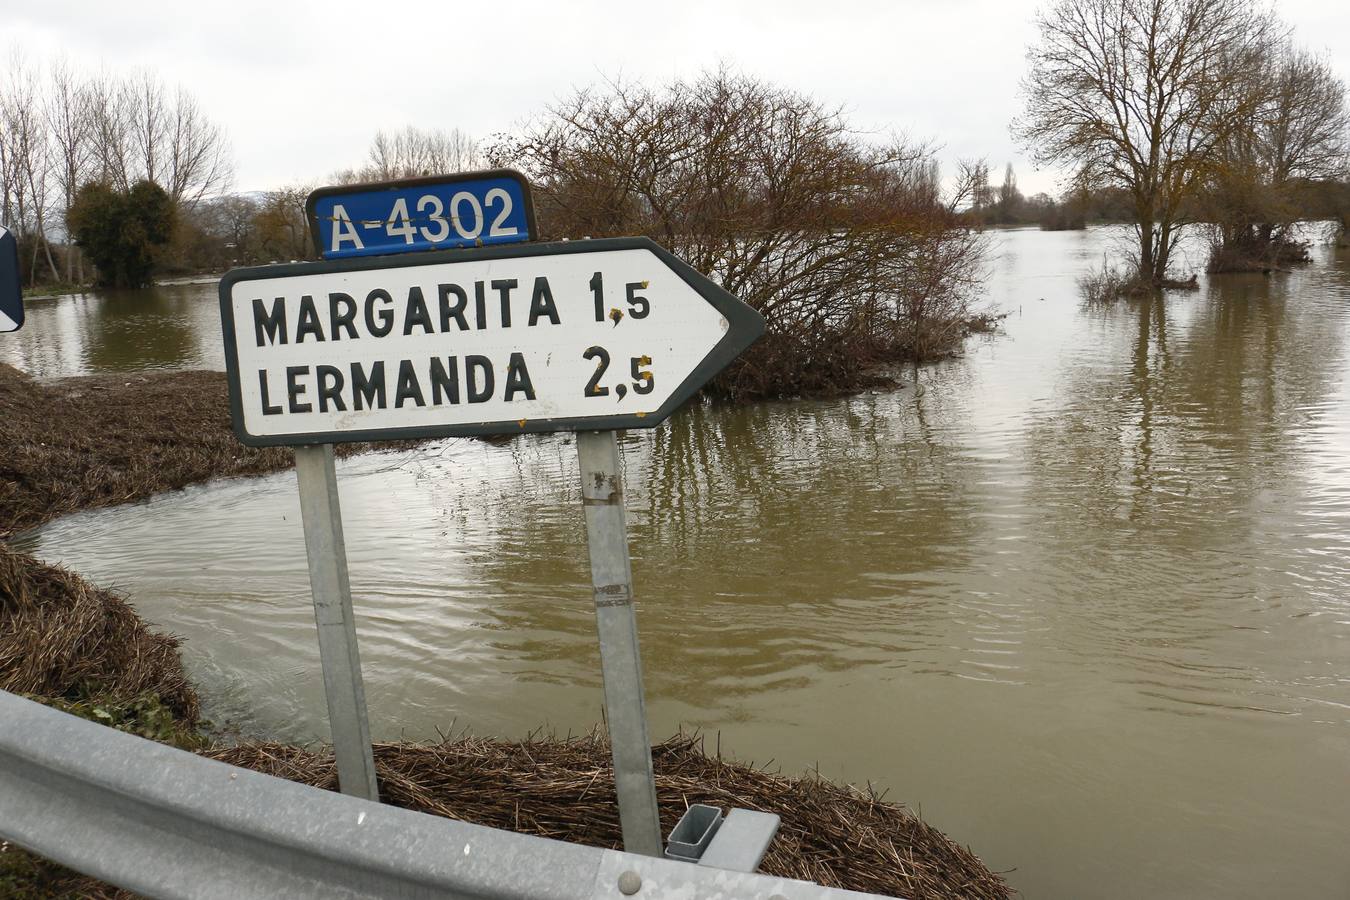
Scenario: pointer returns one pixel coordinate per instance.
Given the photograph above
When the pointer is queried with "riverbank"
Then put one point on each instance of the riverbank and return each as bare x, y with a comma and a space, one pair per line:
87, 442
100, 440
49, 290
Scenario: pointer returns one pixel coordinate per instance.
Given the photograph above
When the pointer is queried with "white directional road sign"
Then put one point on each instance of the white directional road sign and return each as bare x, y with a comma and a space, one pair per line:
11, 298
597, 334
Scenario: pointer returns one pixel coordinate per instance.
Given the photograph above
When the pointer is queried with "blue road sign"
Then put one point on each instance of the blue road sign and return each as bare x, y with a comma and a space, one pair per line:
11, 298
473, 209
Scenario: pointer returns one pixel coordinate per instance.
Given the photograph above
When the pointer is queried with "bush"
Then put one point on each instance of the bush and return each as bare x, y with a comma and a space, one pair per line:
121, 232
1108, 283
846, 249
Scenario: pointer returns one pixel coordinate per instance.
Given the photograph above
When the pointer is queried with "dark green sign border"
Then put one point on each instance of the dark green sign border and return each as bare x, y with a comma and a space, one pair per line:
745, 327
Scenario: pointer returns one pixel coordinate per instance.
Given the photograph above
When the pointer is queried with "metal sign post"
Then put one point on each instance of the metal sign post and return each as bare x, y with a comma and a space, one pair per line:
620, 663
338, 655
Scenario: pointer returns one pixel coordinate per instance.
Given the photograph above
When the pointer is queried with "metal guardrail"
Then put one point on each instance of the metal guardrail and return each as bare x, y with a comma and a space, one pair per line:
166, 823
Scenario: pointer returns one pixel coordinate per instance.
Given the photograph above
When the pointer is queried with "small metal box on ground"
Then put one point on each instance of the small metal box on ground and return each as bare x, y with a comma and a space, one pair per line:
692, 834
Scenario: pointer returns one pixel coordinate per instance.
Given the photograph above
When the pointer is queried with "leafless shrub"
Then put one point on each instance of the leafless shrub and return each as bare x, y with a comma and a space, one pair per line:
846, 248
1108, 283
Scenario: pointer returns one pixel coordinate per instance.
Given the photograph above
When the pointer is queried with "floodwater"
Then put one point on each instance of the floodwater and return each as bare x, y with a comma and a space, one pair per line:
1083, 598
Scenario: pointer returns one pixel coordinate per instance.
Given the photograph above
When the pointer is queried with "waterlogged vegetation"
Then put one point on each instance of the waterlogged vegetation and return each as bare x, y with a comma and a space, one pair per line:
1097, 555
1200, 111
855, 252
1103, 543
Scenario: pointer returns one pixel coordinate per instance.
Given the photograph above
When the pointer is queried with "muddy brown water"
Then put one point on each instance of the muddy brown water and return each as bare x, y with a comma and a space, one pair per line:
1083, 598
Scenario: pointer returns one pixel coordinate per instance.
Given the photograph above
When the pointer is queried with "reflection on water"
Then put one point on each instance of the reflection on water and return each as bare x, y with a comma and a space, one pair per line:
164, 327
1082, 597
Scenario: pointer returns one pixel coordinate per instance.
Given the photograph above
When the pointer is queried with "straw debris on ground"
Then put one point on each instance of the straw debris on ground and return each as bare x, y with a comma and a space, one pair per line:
564, 789
63, 638
100, 440
85, 651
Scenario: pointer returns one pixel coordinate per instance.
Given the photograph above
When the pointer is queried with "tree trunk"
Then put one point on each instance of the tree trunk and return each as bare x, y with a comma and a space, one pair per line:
1164, 251
51, 263
1144, 224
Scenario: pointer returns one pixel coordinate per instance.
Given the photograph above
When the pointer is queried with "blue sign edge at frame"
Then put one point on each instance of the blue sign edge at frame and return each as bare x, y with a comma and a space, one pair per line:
312, 201
11, 285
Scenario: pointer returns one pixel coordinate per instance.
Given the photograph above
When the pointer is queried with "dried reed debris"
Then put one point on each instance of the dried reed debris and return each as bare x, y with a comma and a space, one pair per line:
564, 789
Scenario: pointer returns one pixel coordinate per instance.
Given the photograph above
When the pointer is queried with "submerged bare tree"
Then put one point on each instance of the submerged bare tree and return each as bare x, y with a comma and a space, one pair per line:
1298, 137
847, 249
1143, 95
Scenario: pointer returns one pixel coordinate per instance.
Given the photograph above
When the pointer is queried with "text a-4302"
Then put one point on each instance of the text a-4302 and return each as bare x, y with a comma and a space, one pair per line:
470, 210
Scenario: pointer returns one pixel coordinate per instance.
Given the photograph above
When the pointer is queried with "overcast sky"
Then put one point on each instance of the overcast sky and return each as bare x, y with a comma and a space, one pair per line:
301, 87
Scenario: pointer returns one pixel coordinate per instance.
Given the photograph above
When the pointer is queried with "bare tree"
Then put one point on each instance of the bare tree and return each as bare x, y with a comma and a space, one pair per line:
70, 124
1142, 95
150, 113
26, 162
141, 131
111, 112
198, 157
844, 247
981, 193
412, 152
1298, 136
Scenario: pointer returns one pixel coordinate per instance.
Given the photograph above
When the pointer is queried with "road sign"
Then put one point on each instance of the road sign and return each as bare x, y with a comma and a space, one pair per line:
473, 209
582, 335
11, 297
586, 336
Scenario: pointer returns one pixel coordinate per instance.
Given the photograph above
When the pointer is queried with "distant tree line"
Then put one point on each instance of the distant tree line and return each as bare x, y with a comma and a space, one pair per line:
1006, 205
270, 226
64, 135
853, 251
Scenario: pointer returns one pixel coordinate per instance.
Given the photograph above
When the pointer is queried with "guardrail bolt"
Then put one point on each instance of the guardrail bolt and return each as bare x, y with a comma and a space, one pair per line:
630, 883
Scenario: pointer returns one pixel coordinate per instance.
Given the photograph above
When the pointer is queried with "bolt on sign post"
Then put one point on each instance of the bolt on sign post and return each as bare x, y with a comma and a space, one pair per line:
504, 336
11, 296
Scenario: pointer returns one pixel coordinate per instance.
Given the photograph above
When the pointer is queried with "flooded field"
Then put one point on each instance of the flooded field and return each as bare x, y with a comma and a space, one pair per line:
1083, 598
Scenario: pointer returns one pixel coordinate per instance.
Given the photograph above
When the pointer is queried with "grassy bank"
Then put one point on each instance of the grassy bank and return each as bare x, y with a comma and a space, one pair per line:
81, 443
89, 442
101, 440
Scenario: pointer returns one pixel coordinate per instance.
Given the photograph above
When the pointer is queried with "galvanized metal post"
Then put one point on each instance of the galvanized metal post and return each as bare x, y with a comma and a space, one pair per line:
620, 663
332, 592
